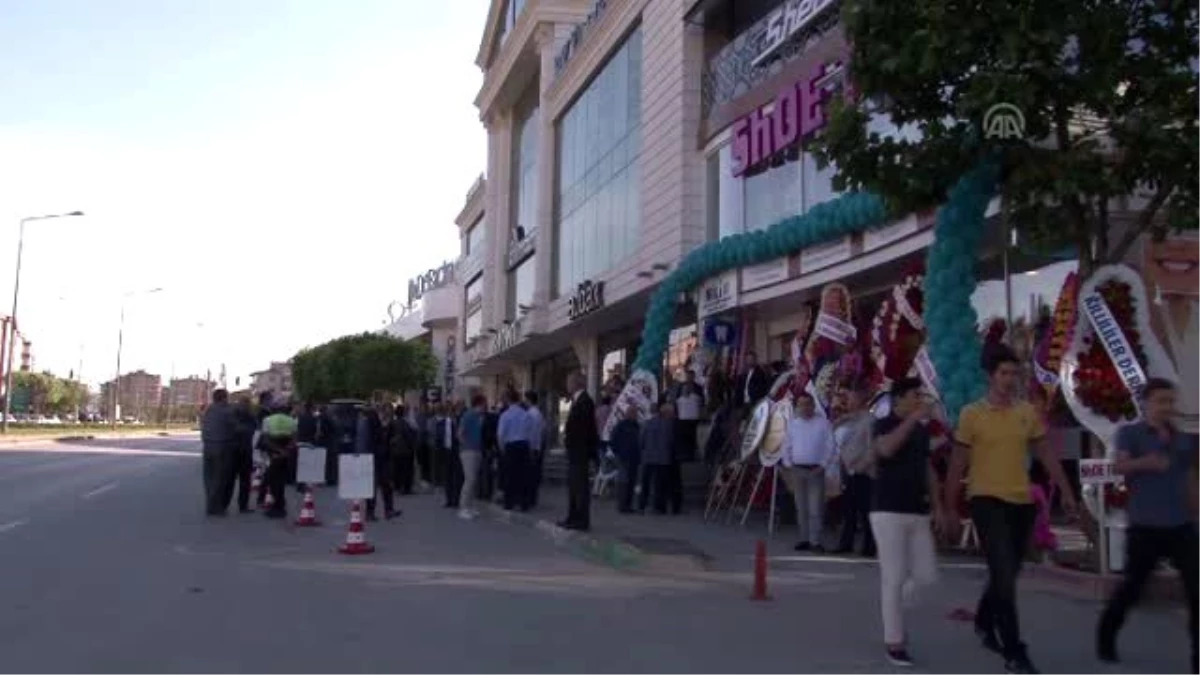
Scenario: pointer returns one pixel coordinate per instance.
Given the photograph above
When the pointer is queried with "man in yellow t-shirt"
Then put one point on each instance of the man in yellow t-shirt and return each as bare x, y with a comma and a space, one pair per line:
993, 438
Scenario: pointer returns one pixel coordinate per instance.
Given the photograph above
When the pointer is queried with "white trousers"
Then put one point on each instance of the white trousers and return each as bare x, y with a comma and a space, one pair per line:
470, 466
906, 557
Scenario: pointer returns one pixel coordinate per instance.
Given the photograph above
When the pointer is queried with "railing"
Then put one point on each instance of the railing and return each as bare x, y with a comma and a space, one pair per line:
731, 72
519, 248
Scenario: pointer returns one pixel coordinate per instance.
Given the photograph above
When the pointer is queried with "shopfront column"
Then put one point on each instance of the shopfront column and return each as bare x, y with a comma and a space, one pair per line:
587, 350
549, 40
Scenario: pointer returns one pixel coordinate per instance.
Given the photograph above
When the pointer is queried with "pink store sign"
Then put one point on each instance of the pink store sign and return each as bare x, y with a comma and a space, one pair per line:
799, 112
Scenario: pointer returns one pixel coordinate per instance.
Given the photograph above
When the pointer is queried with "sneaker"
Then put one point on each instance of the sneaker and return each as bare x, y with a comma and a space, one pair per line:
1021, 665
898, 656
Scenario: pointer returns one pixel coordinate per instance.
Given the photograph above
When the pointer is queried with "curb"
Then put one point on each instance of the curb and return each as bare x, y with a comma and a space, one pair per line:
75, 438
612, 553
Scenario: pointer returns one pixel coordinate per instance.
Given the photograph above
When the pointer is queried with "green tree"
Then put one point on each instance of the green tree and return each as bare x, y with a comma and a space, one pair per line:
1108, 92
49, 394
359, 366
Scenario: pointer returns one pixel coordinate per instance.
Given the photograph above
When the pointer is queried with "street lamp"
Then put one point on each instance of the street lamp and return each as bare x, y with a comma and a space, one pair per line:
116, 388
13, 317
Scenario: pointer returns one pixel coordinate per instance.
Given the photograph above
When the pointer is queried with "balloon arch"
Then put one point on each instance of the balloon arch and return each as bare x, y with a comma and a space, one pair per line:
952, 339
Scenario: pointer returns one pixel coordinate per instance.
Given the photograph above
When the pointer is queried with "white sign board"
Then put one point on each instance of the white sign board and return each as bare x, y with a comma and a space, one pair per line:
718, 294
356, 477
1097, 472
766, 274
310, 464
814, 258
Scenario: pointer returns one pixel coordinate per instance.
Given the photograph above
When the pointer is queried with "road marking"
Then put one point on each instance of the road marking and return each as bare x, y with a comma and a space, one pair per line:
12, 526
99, 491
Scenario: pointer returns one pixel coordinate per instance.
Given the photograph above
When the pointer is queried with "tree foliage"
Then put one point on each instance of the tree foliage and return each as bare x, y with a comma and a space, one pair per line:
49, 394
1107, 88
359, 366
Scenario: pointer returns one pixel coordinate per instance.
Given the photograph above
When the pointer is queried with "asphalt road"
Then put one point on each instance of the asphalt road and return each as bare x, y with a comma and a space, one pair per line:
108, 565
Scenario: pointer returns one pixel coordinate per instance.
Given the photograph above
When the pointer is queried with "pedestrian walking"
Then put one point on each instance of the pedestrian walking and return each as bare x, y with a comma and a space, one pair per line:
489, 471
581, 439
1159, 464
218, 438
244, 454
369, 440
852, 435
537, 444
658, 454
445, 436
905, 496
513, 434
470, 437
808, 451
993, 440
626, 443
278, 443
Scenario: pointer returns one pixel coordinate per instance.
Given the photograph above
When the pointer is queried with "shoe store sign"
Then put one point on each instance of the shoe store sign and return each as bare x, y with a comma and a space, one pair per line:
786, 22
431, 280
798, 113
588, 297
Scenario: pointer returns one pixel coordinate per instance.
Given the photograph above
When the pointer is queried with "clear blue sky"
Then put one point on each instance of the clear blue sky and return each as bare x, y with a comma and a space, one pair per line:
302, 157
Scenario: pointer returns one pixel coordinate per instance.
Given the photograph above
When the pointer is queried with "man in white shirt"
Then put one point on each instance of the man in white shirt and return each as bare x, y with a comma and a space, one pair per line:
537, 439
808, 450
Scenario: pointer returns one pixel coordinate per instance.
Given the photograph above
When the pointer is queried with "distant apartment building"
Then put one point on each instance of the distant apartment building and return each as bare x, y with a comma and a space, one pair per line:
138, 395
276, 379
187, 391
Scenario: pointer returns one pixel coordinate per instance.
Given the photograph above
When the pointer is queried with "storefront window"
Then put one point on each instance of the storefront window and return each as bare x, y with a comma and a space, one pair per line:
520, 286
525, 185
473, 326
598, 205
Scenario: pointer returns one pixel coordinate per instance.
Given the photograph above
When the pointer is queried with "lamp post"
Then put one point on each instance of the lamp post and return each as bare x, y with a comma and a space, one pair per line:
116, 388
13, 317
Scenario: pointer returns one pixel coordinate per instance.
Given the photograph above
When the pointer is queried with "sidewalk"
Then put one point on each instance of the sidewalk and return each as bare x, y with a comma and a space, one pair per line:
66, 434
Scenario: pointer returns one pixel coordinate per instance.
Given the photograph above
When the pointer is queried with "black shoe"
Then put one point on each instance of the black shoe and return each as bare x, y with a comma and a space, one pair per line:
276, 514
987, 638
1020, 664
802, 546
245, 509
215, 514
394, 513
842, 550
817, 548
898, 656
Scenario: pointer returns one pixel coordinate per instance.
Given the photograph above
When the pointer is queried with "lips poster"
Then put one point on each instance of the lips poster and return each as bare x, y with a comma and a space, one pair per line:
1169, 268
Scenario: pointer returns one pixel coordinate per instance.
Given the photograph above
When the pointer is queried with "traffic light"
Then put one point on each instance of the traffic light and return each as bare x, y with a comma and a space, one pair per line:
26, 358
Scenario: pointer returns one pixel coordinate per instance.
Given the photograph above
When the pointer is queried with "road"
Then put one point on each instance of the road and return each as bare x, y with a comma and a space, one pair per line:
108, 565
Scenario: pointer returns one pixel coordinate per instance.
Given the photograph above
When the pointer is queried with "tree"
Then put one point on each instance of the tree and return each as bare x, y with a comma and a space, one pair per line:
49, 394
1107, 89
359, 366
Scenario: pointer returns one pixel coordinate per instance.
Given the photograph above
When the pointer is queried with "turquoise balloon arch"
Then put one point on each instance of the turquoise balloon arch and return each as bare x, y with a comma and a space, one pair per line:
951, 337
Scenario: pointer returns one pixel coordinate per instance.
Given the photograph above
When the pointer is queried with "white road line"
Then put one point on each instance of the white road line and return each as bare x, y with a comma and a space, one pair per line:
99, 491
12, 526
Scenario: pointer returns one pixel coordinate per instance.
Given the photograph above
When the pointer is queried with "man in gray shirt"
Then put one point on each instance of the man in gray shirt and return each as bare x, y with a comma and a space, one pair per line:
219, 439
1159, 465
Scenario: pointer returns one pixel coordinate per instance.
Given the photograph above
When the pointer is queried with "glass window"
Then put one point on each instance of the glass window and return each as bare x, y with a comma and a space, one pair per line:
475, 237
474, 290
473, 326
771, 196
598, 209
818, 183
525, 185
520, 286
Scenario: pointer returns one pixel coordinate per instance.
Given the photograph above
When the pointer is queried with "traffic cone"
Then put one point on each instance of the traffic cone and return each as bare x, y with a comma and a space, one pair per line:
308, 512
356, 541
760, 571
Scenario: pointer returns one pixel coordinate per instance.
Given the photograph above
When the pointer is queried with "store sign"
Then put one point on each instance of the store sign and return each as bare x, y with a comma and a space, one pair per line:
1098, 472
878, 237
589, 297
719, 294
766, 274
819, 257
431, 280
719, 333
798, 113
786, 22
572, 44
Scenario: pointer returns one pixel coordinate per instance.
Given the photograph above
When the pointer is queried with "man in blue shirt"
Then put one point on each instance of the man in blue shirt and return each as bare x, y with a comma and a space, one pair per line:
1159, 465
470, 443
537, 441
513, 436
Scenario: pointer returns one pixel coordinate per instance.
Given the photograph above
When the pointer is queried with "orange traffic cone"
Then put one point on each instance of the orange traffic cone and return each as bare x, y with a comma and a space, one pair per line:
356, 541
308, 512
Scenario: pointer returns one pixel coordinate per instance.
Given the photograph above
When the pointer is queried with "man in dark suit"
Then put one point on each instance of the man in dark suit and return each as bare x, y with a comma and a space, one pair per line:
753, 383
581, 439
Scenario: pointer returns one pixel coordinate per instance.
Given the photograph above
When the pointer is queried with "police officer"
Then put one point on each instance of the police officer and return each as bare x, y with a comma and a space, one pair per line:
278, 443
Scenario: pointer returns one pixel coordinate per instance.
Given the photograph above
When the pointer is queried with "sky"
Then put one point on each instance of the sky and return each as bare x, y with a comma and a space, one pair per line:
279, 168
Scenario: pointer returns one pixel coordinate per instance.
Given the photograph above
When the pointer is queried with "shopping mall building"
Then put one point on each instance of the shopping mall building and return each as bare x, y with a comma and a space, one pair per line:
624, 133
